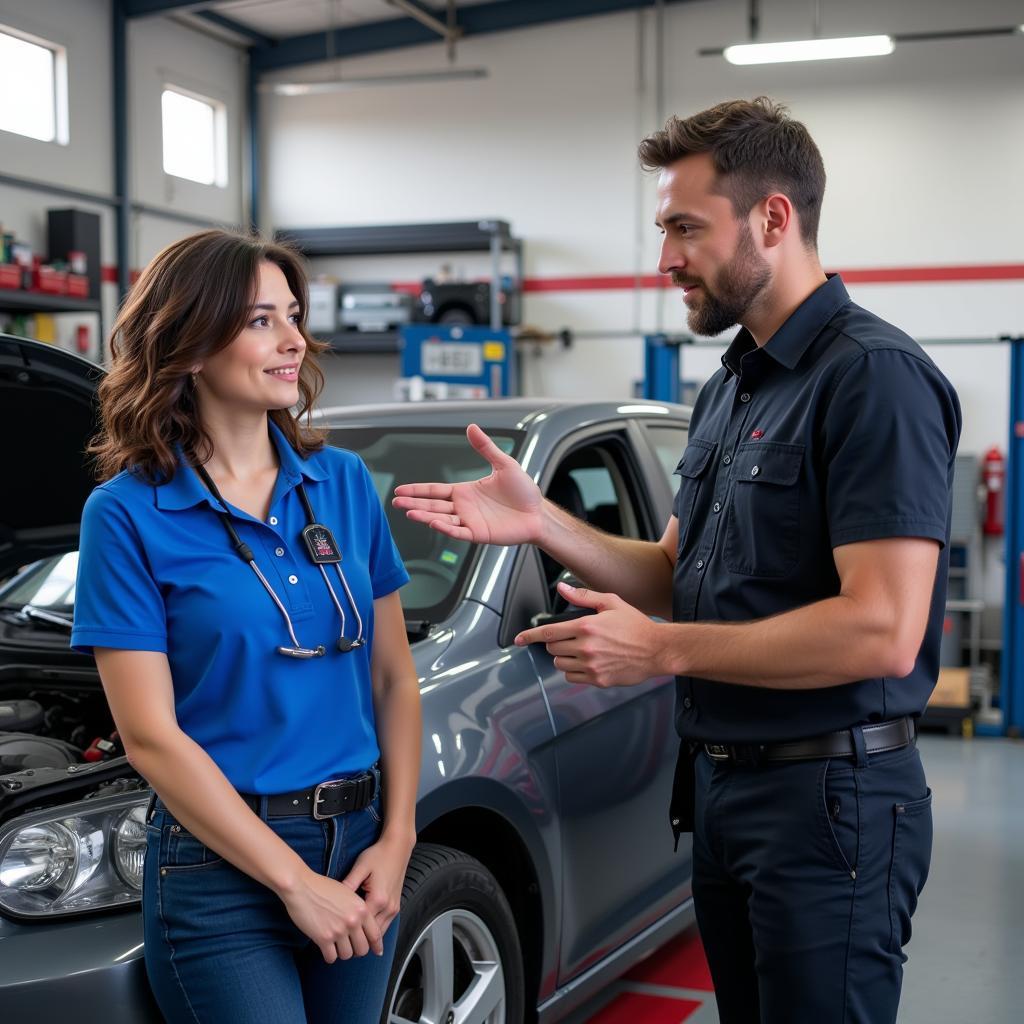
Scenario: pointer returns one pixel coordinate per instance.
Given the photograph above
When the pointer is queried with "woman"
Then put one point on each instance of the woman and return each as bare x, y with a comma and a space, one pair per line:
238, 585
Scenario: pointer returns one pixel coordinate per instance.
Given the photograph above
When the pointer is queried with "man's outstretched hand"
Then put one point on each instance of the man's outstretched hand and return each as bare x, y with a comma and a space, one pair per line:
503, 508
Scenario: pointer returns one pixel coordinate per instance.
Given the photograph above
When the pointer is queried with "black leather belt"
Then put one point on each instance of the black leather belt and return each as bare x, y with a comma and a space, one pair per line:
892, 735
338, 796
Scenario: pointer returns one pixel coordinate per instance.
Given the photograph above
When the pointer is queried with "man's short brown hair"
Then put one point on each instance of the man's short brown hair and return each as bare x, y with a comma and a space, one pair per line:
756, 149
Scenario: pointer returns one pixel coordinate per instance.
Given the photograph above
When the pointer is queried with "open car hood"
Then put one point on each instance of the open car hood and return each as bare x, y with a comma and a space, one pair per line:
47, 416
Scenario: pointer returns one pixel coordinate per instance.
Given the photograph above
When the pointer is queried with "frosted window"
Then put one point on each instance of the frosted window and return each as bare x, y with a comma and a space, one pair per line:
194, 138
32, 83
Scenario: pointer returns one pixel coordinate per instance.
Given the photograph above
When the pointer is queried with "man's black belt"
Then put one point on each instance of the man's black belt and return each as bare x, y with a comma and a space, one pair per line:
338, 796
878, 738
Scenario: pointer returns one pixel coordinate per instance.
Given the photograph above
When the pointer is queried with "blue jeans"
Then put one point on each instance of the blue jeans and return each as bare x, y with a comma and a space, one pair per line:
221, 948
805, 878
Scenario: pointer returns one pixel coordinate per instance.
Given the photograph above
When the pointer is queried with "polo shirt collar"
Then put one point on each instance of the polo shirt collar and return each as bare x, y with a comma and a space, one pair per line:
788, 344
185, 489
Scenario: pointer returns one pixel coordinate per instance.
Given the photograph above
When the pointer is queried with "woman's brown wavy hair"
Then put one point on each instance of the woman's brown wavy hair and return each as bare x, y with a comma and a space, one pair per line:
191, 301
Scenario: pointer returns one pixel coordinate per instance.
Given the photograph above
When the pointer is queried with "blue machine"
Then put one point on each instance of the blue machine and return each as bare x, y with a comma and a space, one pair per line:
470, 362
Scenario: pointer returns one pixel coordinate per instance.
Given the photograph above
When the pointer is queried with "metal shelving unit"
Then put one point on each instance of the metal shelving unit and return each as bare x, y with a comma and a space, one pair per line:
493, 236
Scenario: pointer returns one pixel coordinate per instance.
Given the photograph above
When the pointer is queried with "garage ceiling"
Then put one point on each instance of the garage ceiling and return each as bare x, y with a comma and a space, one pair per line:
284, 33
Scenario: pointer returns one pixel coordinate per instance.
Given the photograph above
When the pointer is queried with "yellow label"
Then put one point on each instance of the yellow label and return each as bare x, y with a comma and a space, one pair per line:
494, 351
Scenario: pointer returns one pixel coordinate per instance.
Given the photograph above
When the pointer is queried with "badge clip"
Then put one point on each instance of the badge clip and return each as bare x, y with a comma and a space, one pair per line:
320, 544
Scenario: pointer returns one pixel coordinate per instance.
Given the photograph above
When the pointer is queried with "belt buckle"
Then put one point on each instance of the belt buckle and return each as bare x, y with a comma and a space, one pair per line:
718, 751
318, 799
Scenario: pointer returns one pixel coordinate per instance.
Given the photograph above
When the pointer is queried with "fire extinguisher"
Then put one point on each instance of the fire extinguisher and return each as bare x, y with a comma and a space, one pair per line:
993, 476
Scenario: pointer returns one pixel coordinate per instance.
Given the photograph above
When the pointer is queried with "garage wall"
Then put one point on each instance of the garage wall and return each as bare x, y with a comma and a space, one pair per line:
160, 51
923, 149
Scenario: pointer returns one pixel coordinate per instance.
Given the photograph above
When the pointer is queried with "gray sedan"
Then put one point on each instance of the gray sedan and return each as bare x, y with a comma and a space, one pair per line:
545, 862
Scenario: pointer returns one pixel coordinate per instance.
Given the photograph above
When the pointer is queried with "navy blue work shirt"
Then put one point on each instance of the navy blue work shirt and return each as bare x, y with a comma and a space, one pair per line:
157, 572
840, 429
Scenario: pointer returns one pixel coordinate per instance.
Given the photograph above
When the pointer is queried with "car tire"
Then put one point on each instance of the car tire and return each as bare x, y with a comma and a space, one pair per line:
457, 945
456, 316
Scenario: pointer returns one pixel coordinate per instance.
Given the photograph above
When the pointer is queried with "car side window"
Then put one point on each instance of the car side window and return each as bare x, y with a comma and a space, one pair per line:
594, 483
669, 443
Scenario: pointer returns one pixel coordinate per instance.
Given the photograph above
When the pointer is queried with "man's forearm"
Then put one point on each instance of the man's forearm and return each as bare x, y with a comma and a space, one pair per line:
827, 643
638, 571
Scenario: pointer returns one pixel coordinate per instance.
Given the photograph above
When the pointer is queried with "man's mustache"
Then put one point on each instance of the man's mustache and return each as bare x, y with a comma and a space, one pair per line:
683, 282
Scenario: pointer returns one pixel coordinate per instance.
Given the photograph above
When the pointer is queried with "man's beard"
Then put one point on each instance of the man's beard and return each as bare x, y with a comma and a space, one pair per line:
739, 284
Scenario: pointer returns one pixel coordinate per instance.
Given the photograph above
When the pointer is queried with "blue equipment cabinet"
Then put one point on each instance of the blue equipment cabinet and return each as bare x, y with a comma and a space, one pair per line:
474, 362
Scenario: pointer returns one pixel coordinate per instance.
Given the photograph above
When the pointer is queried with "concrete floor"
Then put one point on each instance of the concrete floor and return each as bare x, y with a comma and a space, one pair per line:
966, 957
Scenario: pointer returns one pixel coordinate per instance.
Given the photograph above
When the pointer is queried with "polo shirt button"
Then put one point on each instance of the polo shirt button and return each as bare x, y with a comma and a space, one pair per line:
687, 703
727, 460
700, 563
279, 552
744, 397
755, 471
718, 506
273, 520
293, 579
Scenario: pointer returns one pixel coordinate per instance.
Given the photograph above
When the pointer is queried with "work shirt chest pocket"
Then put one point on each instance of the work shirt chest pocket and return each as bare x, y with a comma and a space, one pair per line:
762, 530
691, 469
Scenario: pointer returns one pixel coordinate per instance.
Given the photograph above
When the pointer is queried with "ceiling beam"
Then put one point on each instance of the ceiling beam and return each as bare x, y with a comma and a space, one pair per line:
395, 33
254, 36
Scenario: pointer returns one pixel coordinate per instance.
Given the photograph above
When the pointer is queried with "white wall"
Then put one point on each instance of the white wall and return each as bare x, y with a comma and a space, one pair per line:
924, 152
160, 52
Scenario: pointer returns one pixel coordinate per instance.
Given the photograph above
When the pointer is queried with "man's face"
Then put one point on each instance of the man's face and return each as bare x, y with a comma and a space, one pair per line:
710, 254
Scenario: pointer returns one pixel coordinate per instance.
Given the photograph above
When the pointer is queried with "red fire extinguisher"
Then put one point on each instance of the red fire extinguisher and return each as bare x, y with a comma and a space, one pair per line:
993, 476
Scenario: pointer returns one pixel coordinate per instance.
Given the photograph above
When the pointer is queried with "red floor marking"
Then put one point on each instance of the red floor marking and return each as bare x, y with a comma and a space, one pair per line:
680, 964
631, 1007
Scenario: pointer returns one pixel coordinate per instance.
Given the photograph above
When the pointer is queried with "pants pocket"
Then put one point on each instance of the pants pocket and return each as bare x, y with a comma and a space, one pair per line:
840, 812
911, 855
179, 849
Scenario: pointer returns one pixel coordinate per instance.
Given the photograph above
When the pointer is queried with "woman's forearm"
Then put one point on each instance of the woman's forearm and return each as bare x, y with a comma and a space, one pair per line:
198, 794
399, 732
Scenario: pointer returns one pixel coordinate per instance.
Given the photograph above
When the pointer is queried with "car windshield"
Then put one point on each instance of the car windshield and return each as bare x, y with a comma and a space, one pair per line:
438, 566
47, 584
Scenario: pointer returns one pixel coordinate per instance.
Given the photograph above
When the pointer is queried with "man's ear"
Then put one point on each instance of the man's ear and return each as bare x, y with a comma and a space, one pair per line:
777, 219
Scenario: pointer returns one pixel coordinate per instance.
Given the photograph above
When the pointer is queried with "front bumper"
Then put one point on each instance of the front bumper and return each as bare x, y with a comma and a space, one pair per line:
87, 969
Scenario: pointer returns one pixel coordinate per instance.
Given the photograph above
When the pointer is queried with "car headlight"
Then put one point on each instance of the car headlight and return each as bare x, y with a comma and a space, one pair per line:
74, 858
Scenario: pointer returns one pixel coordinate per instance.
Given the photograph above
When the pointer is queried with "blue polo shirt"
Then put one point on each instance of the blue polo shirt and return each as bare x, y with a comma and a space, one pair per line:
157, 572
840, 429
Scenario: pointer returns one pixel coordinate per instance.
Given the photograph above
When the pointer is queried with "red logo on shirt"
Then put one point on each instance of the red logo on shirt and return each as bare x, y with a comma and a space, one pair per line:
757, 435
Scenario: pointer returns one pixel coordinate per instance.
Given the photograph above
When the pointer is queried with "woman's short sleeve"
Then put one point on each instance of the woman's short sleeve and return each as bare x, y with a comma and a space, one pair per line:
117, 601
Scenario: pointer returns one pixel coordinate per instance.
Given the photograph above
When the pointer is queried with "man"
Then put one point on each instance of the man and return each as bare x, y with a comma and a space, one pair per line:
805, 568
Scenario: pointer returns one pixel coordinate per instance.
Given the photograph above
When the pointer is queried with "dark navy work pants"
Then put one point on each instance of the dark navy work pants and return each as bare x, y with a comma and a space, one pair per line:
805, 879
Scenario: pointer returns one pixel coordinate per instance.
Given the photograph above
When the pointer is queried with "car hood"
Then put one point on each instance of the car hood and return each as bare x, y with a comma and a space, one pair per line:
47, 416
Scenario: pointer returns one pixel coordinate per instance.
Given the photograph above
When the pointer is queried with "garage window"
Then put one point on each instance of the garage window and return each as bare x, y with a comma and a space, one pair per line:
35, 72
195, 137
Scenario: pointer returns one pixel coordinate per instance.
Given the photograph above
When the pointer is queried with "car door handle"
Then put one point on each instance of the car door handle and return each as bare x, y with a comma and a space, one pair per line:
549, 618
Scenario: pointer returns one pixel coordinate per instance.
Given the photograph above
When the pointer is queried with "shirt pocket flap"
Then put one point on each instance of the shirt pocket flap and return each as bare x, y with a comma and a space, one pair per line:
696, 458
760, 463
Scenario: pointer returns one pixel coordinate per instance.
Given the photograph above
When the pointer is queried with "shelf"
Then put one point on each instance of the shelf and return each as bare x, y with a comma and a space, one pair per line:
385, 239
20, 301
362, 342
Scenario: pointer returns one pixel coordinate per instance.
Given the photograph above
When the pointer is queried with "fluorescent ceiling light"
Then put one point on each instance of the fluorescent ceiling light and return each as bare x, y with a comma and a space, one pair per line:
809, 49
370, 81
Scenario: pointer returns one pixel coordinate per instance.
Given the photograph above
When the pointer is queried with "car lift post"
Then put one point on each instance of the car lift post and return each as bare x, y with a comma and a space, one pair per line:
1012, 677
662, 367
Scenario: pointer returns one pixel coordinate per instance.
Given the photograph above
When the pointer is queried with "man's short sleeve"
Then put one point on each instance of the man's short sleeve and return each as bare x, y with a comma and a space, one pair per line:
890, 434
117, 601
387, 570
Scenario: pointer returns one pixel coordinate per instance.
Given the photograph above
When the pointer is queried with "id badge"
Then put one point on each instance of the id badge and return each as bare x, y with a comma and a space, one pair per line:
320, 544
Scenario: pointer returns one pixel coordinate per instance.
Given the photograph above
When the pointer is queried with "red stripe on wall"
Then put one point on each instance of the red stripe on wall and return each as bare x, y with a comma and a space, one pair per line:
624, 282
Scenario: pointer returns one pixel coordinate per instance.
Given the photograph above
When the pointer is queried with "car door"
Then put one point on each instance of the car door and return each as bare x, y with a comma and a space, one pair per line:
615, 748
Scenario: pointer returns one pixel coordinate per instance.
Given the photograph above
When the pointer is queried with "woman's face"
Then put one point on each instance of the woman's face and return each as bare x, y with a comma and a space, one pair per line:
259, 370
